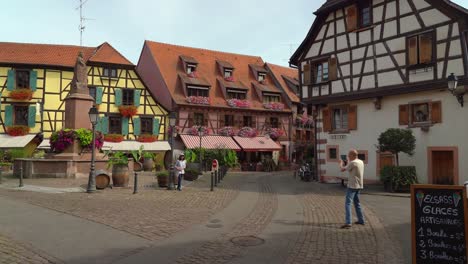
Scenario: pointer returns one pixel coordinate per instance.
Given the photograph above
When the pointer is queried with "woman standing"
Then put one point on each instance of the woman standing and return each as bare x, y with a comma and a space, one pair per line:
180, 167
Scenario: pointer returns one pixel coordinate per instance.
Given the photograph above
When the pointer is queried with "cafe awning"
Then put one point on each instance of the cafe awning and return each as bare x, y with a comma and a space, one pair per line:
209, 142
257, 144
7, 141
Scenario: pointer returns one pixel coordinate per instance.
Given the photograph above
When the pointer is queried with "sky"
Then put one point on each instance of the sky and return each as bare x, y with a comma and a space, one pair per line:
272, 29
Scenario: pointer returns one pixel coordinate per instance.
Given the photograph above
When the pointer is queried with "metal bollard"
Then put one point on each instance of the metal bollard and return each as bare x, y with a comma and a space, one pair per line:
21, 175
1, 177
211, 181
135, 184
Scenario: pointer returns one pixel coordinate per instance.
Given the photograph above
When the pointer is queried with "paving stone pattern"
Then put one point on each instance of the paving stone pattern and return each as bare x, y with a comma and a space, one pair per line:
13, 252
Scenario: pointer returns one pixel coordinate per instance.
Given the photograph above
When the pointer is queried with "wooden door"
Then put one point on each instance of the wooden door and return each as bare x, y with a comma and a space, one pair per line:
443, 167
385, 160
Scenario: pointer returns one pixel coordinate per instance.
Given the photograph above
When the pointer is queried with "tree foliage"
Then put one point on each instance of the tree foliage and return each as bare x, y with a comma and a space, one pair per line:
396, 140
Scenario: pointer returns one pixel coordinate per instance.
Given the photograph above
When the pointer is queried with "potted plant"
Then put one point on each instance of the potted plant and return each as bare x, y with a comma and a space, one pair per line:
120, 171
21, 94
16, 131
148, 161
163, 178
191, 174
5, 166
398, 178
138, 158
128, 110
147, 138
116, 138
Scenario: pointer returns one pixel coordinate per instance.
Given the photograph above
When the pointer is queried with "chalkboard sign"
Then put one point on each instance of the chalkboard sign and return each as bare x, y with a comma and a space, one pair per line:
439, 224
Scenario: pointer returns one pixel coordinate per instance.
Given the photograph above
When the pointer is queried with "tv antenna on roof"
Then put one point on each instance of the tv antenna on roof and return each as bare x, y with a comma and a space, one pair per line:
82, 20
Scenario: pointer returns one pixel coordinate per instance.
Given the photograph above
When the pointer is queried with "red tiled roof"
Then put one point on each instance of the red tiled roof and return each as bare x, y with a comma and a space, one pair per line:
167, 57
282, 74
57, 55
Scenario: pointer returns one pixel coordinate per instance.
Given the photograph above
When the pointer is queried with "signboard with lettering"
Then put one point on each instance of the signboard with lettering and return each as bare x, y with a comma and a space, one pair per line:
439, 224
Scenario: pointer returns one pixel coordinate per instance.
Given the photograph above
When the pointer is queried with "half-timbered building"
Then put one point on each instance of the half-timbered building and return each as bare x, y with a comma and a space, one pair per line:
44, 74
220, 90
366, 66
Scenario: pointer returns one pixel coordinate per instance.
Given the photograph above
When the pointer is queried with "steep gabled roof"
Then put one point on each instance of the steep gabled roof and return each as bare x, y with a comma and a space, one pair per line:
284, 75
57, 55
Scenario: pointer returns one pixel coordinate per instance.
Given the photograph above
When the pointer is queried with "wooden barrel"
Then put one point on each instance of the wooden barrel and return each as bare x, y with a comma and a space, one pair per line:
102, 179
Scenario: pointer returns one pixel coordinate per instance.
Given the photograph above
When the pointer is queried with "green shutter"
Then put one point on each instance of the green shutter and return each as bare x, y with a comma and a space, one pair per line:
32, 116
8, 121
98, 125
33, 80
136, 126
124, 126
11, 80
104, 125
156, 126
118, 96
99, 93
136, 97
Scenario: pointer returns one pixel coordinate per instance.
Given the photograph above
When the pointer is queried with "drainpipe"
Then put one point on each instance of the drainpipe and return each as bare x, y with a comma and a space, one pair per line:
316, 152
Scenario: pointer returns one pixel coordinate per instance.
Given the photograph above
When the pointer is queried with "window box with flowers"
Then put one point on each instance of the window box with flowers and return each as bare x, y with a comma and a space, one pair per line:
147, 138
238, 103
62, 139
116, 138
177, 130
247, 132
304, 121
128, 110
274, 106
16, 131
21, 94
194, 130
193, 74
227, 131
229, 79
203, 100
275, 133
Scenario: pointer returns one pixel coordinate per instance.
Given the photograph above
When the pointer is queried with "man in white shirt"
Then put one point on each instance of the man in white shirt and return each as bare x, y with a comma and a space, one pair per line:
355, 168
180, 166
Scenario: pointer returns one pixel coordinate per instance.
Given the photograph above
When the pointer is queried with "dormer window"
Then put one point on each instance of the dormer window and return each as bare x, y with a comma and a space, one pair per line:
261, 76
191, 68
110, 72
236, 94
359, 16
227, 73
271, 98
197, 91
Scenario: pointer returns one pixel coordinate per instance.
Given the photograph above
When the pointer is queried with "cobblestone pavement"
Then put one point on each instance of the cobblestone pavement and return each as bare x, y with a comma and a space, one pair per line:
13, 252
156, 214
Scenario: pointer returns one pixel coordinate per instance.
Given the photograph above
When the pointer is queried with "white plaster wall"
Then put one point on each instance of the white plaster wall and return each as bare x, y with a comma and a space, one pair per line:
344, 56
340, 26
378, 13
328, 46
455, 48
346, 70
305, 92
455, 66
404, 7
441, 50
385, 63
391, 10
421, 76
389, 78
442, 32
368, 82
364, 37
409, 23
366, 136
420, 4
433, 17
390, 29
369, 66
342, 42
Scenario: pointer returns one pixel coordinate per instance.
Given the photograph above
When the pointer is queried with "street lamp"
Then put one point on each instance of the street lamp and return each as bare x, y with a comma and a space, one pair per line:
93, 118
200, 134
458, 92
172, 122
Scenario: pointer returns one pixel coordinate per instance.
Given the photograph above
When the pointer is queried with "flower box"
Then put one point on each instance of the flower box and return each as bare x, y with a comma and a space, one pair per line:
193, 74
227, 131
229, 79
177, 130
21, 94
128, 110
238, 103
198, 100
274, 106
16, 131
247, 132
275, 133
194, 130
116, 138
62, 139
146, 138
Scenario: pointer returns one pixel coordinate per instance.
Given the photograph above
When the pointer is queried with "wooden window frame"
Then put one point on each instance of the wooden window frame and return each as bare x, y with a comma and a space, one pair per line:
261, 76
15, 115
235, 94
361, 6
315, 72
109, 72
419, 65
342, 108
113, 130
270, 96
274, 122
144, 127
227, 72
128, 99
366, 155
18, 79
190, 67
198, 91
337, 148
196, 117
229, 120
247, 121
432, 118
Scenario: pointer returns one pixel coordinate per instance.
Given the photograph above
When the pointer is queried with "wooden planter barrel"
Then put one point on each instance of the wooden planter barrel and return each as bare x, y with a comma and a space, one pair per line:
102, 179
163, 180
120, 176
148, 164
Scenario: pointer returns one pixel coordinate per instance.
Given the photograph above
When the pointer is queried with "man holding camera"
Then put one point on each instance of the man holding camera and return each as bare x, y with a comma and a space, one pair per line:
355, 168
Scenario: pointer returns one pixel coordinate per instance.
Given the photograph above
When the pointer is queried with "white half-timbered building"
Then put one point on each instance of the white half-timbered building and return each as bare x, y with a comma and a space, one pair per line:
366, 66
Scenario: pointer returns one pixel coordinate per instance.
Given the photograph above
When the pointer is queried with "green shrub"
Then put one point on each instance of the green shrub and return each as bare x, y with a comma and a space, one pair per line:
396, 140
17, 154
118, 158
399, 176
162, 174
85, 136
192, 171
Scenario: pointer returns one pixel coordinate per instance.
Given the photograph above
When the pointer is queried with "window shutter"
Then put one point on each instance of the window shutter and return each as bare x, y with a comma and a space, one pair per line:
413, 50
332, 69
99, 94
351, 17
11, 81
425, 48
254, 122
104, 125
98, 124
124, 126
32, 116
8, 121
33, 80
156, 126
136, 97
118, 96
352, 117
326, 120
436, 112
313, 78
403, 115
307, 72
190, 120
136, 126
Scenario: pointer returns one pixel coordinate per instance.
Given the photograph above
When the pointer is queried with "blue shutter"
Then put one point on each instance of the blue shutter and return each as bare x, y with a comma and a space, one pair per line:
98, 125
33, 80
99, 93
32, 116
118, 97
136, 97
136, 126
156, 126
104, 125
11, 82
124, 126
8, 121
